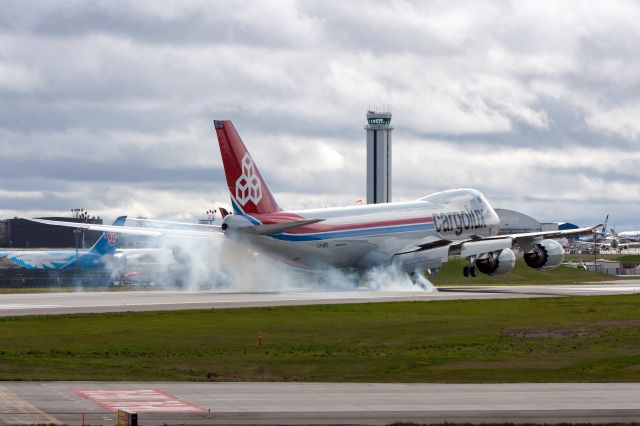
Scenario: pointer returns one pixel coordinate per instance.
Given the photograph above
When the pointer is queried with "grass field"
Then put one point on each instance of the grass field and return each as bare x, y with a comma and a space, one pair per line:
534, 340
451, 274
629, 258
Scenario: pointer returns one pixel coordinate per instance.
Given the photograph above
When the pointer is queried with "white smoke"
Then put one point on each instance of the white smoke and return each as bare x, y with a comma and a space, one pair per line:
225, 265
393, 278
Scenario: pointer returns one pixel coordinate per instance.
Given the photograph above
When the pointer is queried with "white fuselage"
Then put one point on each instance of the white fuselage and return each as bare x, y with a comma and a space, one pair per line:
364, 236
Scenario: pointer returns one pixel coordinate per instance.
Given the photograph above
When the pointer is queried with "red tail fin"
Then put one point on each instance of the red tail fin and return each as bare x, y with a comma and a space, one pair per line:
249, 192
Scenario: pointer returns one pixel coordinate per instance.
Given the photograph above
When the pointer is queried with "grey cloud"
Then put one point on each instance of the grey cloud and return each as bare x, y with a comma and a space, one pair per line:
84, 170
151, 22
609, 175
48, 202
567, 129
126, 93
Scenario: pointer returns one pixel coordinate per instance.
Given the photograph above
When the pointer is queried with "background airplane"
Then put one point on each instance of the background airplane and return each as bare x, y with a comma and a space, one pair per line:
93, 258
416, 236
629, 235
600, 235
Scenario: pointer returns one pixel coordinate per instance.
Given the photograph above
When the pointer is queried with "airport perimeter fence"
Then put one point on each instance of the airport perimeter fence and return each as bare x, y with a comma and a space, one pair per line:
42, 278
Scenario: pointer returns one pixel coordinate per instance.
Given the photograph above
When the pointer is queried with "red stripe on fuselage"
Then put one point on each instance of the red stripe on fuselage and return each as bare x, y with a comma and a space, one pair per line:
278, 217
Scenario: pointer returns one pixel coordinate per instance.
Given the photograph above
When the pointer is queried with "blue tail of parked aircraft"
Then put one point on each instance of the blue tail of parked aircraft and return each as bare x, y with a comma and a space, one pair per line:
108, 242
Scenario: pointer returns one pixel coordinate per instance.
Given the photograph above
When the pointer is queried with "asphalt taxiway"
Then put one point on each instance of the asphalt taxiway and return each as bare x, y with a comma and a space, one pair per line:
76, 403
122, 301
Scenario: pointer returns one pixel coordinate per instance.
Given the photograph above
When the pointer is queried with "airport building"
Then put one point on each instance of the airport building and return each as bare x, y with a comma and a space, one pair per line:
512, 222
23, 233
379, 132
562, 226
612, 267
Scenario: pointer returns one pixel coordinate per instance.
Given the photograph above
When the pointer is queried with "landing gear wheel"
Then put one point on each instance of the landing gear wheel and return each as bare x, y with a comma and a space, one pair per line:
472, 271
465, 271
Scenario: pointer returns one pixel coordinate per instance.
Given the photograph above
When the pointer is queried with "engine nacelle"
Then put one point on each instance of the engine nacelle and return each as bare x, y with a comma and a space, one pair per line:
235, 221
545, 254
492, 264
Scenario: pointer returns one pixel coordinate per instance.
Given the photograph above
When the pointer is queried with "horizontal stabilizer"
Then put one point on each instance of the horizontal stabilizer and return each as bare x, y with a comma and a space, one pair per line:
211, 232
167, 224
276, 228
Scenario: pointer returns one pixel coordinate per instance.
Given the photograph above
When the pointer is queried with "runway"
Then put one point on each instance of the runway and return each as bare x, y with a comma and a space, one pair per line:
326, 403
122, 301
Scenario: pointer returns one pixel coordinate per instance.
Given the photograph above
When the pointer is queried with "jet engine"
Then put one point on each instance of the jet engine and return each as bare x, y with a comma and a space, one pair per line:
234, 221
497, 263
545, 254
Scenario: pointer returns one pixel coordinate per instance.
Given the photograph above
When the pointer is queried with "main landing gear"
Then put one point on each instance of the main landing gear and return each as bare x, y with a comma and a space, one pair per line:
469, 271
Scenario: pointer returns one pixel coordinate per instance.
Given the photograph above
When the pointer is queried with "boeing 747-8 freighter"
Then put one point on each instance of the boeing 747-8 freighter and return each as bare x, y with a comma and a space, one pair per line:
417, 236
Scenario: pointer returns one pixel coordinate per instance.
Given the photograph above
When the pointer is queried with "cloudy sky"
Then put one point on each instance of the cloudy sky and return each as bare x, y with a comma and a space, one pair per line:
108, 105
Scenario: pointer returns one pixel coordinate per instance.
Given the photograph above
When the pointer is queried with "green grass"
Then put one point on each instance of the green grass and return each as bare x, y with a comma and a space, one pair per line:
593, 338
629, 258
451, 274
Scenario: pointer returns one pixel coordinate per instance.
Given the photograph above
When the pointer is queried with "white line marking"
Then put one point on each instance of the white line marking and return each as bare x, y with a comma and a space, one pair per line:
26, 306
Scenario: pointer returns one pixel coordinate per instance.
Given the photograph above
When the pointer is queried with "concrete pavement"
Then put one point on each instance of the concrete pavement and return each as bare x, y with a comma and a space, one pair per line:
317, 403
120, 301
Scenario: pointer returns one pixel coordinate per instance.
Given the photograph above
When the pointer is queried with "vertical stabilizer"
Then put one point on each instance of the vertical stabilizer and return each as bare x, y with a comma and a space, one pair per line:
249, 191
108, 242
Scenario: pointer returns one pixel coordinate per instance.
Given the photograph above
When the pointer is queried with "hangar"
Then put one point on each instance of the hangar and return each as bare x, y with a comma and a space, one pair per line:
512, 222
23, 233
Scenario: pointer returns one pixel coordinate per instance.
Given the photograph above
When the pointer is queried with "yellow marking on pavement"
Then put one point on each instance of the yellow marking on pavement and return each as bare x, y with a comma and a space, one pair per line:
14, 409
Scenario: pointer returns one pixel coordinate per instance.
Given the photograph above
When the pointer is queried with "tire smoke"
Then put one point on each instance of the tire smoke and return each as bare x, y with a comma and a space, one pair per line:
224, 265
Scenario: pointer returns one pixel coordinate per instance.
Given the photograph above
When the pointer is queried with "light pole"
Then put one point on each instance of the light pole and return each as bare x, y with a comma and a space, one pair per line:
76, 231
595, 256
81, 215
211, 215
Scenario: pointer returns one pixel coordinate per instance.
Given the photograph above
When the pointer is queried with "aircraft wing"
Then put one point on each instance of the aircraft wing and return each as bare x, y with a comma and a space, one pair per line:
434, 242
432, 251
212, 233
549, 234
523, 240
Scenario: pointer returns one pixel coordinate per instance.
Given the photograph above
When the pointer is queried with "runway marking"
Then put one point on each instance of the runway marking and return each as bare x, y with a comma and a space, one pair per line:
27, 306
14, 409
140, 401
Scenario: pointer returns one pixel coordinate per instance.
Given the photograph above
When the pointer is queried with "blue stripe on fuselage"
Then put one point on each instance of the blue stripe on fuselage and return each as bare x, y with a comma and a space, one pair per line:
84, 260
238, 211
330, 235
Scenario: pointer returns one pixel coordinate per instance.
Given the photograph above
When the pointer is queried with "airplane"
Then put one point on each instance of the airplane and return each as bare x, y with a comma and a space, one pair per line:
92, 258
629, 235
416, 236
600, 235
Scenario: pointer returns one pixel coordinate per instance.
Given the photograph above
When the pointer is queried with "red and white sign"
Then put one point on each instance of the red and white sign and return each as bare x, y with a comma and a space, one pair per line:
140, 401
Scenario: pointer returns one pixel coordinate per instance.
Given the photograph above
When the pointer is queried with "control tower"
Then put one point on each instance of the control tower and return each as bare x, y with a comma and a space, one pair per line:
378, 157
